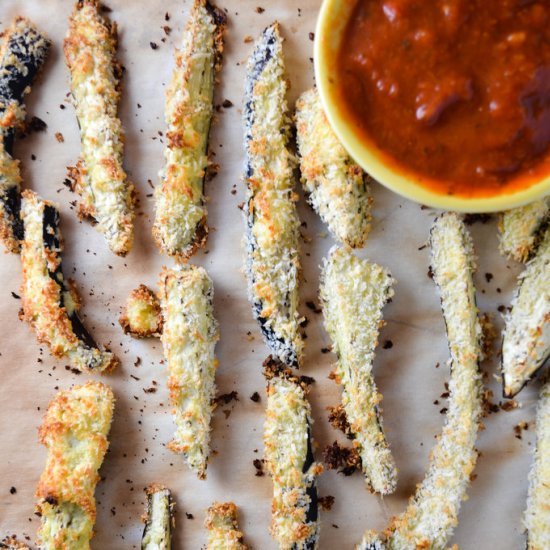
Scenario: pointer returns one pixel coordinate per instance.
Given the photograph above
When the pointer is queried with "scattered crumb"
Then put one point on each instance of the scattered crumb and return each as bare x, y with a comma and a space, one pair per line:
326, 503
59, 137
255, 397
343, 459
226, 398
259, 465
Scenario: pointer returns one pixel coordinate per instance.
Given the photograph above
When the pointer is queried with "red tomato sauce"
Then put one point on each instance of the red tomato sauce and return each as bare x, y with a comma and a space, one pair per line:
455, 93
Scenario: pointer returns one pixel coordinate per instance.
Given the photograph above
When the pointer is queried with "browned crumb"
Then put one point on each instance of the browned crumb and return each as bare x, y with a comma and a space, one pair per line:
259, 465
326, 503
509, 405
248, 39
59, 137
226, 398
519, 428
255, 397
345, 460
337, 419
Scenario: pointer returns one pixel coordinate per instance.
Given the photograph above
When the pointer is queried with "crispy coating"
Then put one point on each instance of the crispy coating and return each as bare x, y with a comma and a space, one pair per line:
189, 336
160, 518
180, 224
520, 229
107, 197
295, 522
12, 543
142, 315
353, 293
23, 50
74, 430
271, 236
526, 335
223, 528
337, 187
537, 515
50, 305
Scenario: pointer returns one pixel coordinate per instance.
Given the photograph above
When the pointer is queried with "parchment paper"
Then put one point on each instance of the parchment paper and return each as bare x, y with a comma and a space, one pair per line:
406, 372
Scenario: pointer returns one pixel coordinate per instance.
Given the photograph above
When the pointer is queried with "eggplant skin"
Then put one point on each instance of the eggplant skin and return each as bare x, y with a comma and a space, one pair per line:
353, 293
223, 528
107, 197
289, 459
537, 515
50, 304
526, 335
160, 518
74, 430
23, 50
180, 220
272, 263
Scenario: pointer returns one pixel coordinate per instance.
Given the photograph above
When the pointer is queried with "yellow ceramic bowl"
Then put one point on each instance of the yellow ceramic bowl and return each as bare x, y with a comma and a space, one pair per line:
331, 24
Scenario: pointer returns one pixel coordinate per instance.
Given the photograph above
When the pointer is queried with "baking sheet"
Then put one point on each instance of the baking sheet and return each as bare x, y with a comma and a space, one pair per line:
406, 373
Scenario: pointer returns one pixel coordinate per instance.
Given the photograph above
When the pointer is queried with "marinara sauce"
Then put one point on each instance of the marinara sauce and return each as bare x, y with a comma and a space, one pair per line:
455, 93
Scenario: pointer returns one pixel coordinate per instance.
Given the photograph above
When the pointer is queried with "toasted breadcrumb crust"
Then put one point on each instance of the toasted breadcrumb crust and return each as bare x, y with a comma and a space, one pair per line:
336, 186
23, 50
271, 237
74, 431
537, 515
180, 224
159, 518
50, 305
353, 293
526, 335
12, 543
223, 528
189, 336
520, 229
107, 197
142, 314
432, 512
295, 522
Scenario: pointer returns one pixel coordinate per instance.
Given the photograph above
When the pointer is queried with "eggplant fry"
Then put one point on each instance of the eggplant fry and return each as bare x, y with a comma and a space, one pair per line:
12, 543
223, 528
23, 50
50, 304
271, 237
537, 515
189, 337
337, 187
432, 512
295, 523
180, 225
353, 293
521, 228
160, 518
142, 316
107, 197
74, 430
526, 335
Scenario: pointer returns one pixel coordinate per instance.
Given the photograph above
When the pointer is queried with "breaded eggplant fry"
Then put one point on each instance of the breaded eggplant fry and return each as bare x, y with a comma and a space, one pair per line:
432, 512
271, 236
50, 304
537, 515
107, 197
223, 528
189, 337
159, 520
521, 228
142, 316
74, 430
180, 225
353, 293
12, 543
23, 50
526, 335
337, 187
295, 522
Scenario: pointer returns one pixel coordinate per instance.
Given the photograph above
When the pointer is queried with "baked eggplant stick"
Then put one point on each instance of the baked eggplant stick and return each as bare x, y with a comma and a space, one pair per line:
159, 520
521, 228
353, 293
223, 528
23, 50
537, 515
50, 303
180, 224
189, 337
526, 335
107, 197
74, 430
295, 522
271, 236
337, 188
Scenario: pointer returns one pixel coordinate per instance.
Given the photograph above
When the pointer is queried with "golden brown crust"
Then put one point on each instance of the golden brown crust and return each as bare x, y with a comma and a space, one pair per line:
223, 527
142, 316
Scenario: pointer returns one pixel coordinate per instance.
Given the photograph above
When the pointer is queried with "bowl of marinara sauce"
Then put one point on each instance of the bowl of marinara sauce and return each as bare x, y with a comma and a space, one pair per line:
446, 102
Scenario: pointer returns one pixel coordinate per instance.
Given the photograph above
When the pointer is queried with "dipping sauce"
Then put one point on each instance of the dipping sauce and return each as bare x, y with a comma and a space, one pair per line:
455, 93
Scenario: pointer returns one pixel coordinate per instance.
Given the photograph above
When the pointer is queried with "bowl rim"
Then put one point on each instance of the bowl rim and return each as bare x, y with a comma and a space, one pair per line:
362, 153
